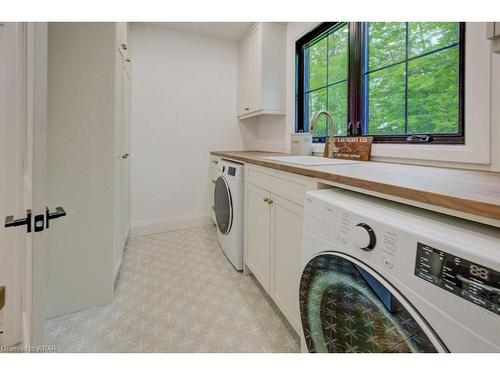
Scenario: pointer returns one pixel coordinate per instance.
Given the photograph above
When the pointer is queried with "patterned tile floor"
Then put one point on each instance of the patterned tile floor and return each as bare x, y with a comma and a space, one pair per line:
177, 293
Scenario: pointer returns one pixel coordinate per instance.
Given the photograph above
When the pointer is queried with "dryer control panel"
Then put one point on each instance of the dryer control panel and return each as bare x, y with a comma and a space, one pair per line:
474, 282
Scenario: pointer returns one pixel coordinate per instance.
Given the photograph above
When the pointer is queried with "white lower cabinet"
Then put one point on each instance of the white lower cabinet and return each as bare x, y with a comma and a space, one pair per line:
273, 234
258, 234
287, 218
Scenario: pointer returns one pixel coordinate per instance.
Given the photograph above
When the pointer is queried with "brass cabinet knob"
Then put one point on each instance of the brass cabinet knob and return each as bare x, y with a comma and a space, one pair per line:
270, 201
124, 156
266, 200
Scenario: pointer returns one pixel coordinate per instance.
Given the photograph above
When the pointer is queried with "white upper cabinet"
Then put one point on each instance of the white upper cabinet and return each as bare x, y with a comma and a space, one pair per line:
493, 33
261, 71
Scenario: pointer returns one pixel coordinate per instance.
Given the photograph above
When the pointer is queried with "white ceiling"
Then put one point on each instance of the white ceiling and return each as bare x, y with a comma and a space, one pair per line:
226, 30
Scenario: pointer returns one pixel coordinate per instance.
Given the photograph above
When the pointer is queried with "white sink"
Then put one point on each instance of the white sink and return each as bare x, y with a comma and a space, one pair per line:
309, 160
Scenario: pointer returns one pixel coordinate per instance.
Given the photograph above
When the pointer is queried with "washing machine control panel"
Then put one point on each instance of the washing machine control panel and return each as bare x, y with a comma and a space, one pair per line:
468, 280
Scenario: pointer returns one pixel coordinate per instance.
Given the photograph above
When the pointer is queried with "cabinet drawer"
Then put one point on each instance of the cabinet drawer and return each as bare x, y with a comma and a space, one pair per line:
283, 184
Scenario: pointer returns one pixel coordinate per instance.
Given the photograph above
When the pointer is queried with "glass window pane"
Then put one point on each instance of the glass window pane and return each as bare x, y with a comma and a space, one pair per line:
433, 89
386, 101
425, 37
316, 101
337, 55
386, 43
317, 64
337, 106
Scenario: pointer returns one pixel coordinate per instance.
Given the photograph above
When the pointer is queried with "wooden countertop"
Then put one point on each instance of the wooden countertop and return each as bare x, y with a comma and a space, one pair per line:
472, 192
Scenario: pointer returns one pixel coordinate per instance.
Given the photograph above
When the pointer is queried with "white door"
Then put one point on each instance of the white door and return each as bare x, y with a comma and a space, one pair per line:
125, 166
258, 233
23, 75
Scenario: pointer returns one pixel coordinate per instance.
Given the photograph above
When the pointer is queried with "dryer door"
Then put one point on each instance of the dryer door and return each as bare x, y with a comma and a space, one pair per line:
347, 307
223, 205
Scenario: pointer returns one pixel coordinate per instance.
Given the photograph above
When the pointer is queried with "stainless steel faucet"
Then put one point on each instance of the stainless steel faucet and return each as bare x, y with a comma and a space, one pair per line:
329, 125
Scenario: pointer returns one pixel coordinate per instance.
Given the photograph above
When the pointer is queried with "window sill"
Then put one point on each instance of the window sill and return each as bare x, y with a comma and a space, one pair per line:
447, 153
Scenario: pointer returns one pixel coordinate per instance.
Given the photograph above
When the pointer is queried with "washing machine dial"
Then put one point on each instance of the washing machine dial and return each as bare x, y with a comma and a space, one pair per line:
363, 236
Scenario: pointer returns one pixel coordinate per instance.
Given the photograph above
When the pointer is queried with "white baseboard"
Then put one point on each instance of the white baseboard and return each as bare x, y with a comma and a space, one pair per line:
168, 224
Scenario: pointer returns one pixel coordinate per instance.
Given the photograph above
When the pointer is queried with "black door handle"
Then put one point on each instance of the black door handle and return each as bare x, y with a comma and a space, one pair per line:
59, 212
11, 222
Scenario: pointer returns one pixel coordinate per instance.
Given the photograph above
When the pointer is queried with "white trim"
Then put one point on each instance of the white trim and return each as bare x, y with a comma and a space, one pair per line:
478, 75
37, 37
26, 328
168, 224
118, 266
261, 112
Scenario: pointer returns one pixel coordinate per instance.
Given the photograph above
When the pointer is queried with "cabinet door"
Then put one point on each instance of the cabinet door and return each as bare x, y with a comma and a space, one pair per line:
243, 77
287, 218
255, 71
258, 233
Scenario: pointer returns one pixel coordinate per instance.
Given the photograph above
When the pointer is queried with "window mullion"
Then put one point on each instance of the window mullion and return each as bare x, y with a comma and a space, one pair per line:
327, 68
354, 73
406, 80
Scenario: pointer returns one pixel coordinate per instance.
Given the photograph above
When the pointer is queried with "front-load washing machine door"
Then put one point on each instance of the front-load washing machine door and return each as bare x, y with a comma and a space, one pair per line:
346, 307
223, 205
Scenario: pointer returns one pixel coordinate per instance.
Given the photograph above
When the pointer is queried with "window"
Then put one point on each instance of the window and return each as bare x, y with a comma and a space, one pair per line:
325, 77
400, 81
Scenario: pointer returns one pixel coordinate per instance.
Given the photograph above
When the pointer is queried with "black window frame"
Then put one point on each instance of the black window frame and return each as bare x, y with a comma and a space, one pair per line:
355, 109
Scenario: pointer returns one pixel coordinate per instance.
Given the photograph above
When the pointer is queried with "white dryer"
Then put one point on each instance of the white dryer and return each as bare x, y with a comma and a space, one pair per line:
228, 206
378, 276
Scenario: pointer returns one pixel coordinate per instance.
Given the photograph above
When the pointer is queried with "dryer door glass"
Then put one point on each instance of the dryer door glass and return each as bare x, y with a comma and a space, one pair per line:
344, 308
223, 205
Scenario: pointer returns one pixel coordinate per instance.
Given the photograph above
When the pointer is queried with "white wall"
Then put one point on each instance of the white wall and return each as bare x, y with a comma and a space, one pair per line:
273, 134
183, 106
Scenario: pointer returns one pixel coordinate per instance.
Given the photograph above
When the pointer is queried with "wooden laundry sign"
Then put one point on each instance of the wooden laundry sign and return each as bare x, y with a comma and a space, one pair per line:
353, 148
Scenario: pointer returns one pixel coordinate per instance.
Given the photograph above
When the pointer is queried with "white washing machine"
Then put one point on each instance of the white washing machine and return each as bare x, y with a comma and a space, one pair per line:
378, 276
228, 207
